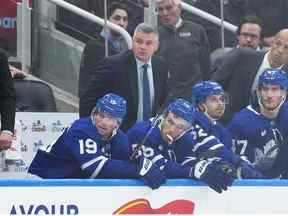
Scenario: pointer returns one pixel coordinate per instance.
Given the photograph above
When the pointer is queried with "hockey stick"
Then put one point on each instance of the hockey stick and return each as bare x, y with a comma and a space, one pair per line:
154, 123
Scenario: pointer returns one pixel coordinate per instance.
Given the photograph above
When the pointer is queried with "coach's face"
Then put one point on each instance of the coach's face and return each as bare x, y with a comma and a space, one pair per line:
144, 45
279, 50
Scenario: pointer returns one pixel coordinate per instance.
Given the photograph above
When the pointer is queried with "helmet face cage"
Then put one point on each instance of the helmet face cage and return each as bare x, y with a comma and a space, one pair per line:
273, 77
113, 105
108, 115
201, 91
223, 97
183, 109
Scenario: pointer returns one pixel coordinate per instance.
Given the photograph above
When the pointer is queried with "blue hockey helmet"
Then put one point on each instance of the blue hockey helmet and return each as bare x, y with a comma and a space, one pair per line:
273, 77
113, 105
183, 109
202, 90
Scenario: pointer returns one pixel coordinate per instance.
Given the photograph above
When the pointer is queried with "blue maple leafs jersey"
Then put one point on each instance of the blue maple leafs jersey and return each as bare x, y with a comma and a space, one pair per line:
214, 128
261, 140
184, 152
175, 156
81, 153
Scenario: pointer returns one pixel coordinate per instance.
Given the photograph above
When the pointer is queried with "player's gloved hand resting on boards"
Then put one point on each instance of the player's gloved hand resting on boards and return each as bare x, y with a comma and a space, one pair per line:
152, 175
216, 173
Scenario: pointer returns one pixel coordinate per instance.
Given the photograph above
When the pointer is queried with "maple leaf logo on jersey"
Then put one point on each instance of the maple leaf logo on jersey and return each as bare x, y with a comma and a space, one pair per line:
263, 133
142, 206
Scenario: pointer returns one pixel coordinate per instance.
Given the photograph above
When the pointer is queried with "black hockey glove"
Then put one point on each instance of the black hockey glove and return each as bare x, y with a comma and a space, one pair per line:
152, 175
216, 173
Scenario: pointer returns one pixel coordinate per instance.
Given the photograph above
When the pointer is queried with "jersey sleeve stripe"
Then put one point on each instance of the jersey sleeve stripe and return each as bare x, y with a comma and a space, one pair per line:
98, 169
203, 142
89, 163
188, 160
156, 158
216, 146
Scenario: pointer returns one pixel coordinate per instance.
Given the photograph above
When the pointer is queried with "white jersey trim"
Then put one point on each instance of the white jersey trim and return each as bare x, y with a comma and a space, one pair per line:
203, 142
99, 168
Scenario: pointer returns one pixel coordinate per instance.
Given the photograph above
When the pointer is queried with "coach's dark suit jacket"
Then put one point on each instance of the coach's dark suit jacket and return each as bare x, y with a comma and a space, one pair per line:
7, 95
93, 52
118, 74
236, 72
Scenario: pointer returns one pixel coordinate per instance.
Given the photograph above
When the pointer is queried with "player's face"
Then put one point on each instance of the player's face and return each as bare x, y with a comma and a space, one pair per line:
144, 45
119, 17
271, 96
215, 105
169, 12
172, 127
105, 124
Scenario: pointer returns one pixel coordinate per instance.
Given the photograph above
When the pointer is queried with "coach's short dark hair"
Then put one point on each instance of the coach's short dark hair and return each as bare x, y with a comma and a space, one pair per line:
146, 28
116, 5
251, 19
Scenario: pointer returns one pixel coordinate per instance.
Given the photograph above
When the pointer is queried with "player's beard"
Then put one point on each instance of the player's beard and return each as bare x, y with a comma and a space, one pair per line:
217, 113
271, 110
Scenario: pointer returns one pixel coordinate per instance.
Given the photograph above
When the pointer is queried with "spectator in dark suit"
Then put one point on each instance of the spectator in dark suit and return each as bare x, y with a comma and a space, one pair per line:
94, 50
185, 47
233, 11
135, 7
7, 105
122, 74
239, 70
250, 32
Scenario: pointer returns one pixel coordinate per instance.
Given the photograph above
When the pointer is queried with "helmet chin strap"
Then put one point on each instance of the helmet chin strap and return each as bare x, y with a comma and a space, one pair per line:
171, 139
276, 109
207, 114
114, 132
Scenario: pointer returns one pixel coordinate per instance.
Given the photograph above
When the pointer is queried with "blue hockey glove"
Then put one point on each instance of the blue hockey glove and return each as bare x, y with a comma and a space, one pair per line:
152, 175
215, 172
246, 171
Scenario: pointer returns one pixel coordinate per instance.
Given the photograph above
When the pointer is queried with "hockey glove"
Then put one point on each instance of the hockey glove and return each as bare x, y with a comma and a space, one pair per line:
246, 171
152, 175
215, 172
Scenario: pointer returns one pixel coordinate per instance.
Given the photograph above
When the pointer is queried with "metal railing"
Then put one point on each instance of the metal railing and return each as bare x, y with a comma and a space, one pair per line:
94, 18
209, 17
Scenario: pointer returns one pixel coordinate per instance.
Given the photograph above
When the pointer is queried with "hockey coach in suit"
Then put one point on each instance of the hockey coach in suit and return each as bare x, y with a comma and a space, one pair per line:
136, 75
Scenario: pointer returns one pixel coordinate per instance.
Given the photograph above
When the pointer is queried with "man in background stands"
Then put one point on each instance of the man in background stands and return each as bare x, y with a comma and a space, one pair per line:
185, 47
94, 50
249, 33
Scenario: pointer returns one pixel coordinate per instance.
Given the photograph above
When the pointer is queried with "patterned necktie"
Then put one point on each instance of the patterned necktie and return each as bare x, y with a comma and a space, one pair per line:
146, 94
